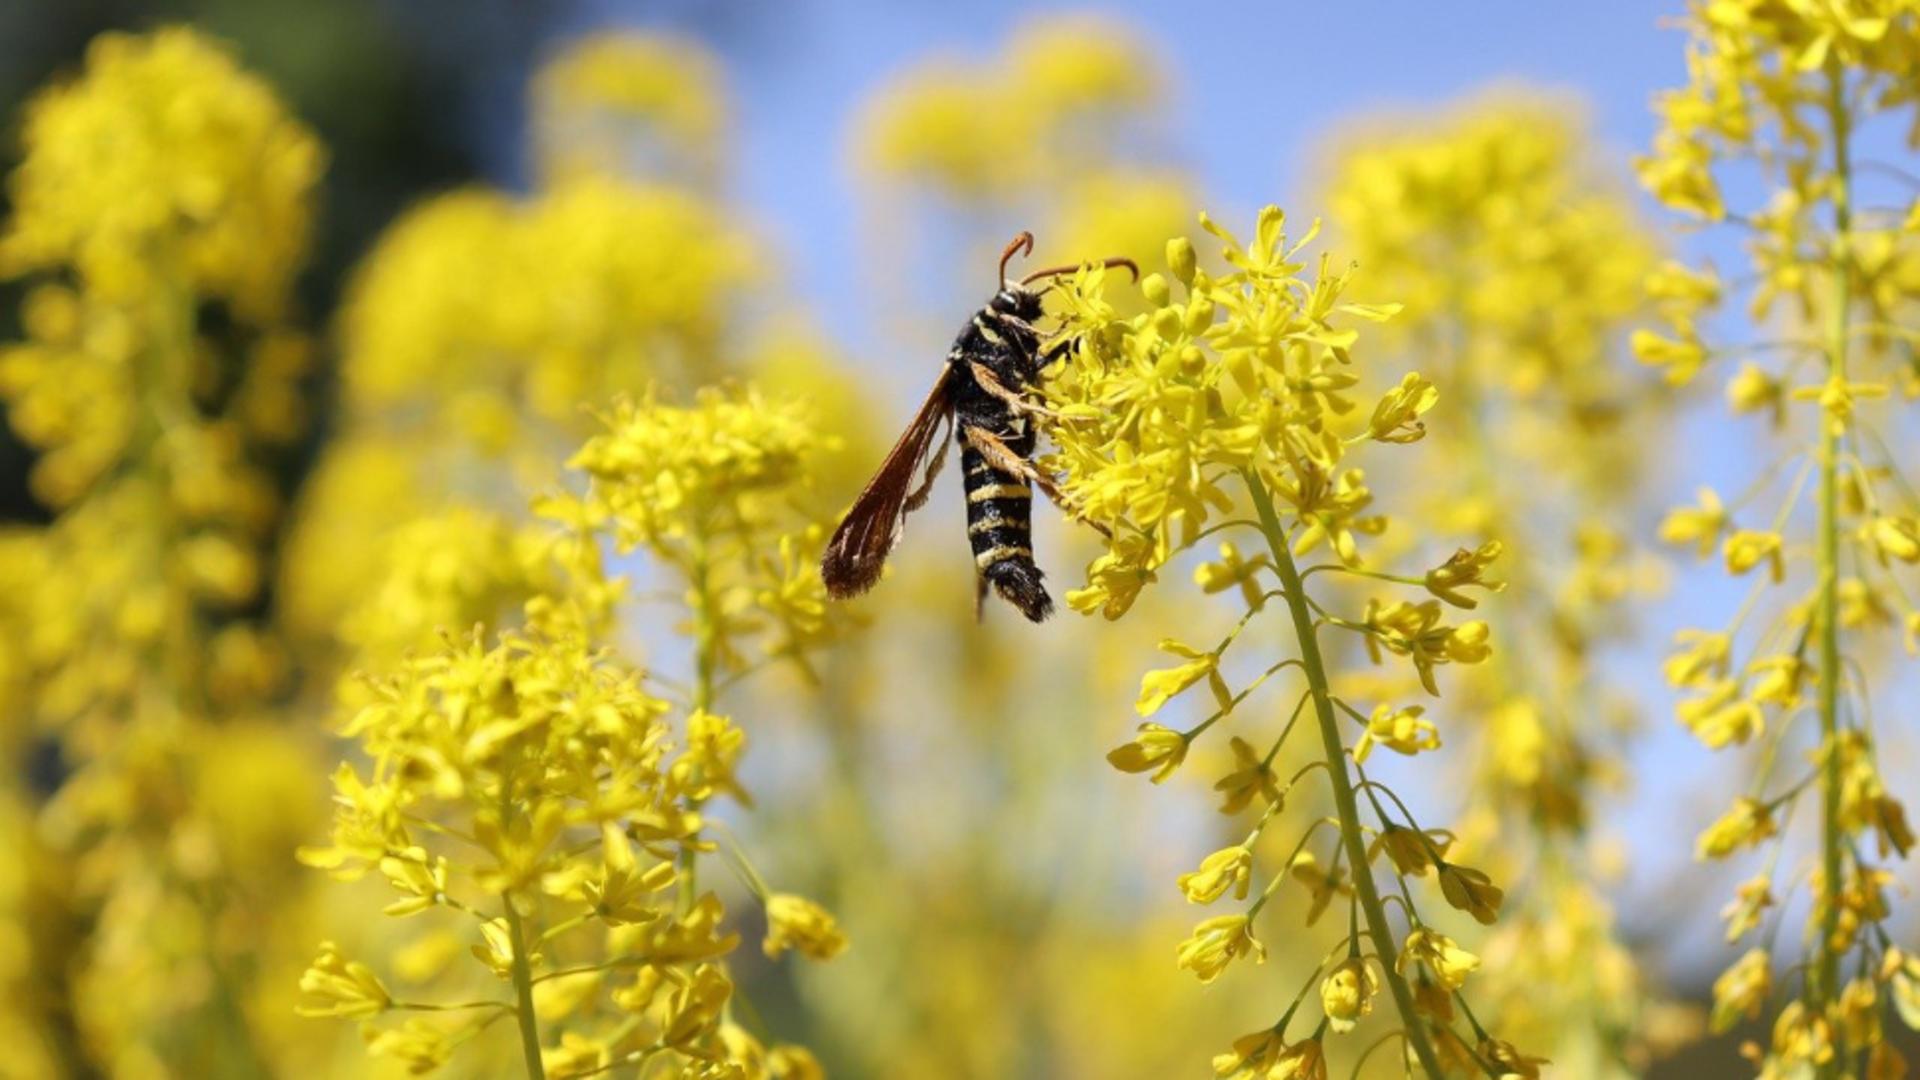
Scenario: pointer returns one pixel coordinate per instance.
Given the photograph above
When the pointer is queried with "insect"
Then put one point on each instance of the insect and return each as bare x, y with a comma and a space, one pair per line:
980, 397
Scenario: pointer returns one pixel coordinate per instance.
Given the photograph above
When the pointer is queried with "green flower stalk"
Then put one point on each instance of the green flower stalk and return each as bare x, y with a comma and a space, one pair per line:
548, 797
1236, 394
1786, 88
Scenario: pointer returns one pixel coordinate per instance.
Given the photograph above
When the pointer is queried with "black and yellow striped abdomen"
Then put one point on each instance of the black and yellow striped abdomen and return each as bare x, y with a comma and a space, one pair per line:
1000, 528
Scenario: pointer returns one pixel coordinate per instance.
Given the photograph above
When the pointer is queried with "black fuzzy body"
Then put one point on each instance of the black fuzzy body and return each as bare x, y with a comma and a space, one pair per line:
1001, 339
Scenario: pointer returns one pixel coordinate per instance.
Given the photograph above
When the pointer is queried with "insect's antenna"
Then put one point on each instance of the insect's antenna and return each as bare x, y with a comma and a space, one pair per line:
1056, 271
1022, 244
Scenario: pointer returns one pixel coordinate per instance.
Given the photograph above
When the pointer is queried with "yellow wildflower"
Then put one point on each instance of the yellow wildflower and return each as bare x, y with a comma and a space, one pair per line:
1156, 748
1347, 993
1228, 868
797, 923
1216, 943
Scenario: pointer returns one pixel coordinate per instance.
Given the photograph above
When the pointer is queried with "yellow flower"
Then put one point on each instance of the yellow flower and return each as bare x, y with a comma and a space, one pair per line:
1751, 900
1412, 852
1901, 971
165, 157
1159, 687
1253, 1057
1470, 891
1252, 776
1511, 1062
1403, 730
1216, 943
1893, 537
1746, 824
590, 102
336, 986
418, 1045
1228, 868
1462, 569
1747, 548
1752, 390
1396, 418
1682, 357
1703, 660
1700, 526
797, 923
1778, 680
1720, 716
1347, 993
1156, 748
695, 1010
1448, 962
1234, 570
1322, 886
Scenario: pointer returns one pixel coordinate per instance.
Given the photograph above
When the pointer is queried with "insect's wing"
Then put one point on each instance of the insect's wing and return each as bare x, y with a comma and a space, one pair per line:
860, 546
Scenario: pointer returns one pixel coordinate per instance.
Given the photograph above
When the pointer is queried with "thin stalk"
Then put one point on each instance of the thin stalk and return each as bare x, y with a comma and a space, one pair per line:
523, 994
1826, 962
706, 631
1336, 757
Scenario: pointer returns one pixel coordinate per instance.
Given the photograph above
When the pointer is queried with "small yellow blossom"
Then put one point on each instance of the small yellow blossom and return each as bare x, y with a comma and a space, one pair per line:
1448, 962
1747, 823
1462, 569
796, 923
1751, 900
1470, 891
1742, 989
1216, 943
1396, 418
1403, 730
1411, 851
1322, 886
336, 986
1156, 749
1700, 526
1159, 687
1747, 548
1252, 776
1228, 868
1347, 993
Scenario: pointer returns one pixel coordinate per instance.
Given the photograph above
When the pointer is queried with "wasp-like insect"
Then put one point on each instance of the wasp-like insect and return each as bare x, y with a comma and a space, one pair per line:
981, 397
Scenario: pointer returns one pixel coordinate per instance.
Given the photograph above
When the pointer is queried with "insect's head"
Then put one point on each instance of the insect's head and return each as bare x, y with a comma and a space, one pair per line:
1020, 298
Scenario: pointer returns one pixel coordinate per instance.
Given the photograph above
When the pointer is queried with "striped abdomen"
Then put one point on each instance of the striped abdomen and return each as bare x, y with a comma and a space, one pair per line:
1000, 529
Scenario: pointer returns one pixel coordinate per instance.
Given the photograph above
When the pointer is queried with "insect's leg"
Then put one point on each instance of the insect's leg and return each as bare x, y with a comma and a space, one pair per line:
1001, 456
987, 381
1056, 349
919, 497
979, 596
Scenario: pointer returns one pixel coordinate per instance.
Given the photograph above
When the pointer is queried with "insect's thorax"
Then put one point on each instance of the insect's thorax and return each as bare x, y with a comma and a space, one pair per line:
1001, 338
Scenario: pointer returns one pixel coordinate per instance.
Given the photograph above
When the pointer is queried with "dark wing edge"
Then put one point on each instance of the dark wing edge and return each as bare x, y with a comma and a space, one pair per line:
860, 546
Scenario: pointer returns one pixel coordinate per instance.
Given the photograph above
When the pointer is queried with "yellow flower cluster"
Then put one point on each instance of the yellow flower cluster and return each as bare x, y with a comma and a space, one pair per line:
988, 129
166, 169
161, 189
534, 307
623, 104
1237, 393
1491, 214
1789, 86
536, 790
1520, 265
481, 323
1058, 125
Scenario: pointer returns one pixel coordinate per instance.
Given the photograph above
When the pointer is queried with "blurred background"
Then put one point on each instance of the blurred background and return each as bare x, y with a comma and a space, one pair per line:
942, 787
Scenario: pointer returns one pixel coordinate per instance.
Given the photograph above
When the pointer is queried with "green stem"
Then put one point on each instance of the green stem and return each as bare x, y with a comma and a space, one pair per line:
1336, 757
523, 994
706, 656
1827, 962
